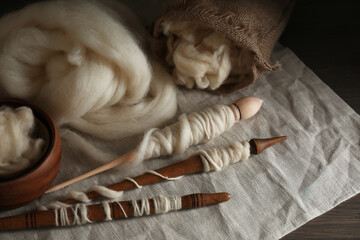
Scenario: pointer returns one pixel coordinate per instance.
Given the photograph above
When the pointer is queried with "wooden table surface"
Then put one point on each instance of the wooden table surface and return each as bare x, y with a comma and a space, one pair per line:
325, 35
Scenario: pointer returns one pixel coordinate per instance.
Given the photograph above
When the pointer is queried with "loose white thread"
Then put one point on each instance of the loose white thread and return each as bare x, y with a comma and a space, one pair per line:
217, 158
133, 181
162, 176
122, 209
107, 211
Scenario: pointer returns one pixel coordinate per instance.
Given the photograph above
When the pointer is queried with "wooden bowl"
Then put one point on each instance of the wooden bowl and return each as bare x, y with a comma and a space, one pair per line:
21, 187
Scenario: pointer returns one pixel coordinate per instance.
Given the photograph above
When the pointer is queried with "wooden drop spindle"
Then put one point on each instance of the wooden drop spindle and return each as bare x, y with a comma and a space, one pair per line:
243, 108
189, 166
96, 212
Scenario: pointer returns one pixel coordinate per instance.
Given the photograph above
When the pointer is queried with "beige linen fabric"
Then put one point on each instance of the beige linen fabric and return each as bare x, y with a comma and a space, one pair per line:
273, 193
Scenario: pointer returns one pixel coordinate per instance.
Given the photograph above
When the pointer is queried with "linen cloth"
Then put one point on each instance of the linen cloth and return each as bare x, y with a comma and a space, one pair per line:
273, 193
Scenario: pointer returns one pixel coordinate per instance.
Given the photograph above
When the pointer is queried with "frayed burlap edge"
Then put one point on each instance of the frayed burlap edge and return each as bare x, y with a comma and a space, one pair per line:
239, 35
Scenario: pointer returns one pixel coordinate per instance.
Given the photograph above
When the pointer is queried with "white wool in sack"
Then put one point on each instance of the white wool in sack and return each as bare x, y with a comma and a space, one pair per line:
80, 61
17, 149
203, 58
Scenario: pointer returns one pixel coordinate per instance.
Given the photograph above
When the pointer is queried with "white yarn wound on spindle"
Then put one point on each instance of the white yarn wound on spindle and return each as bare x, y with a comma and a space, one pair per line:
144, 207
191, 129
18, 150
61, 215
201, 57
79, 212
216, 159
101, 190
166, 204
161, 205
82, 61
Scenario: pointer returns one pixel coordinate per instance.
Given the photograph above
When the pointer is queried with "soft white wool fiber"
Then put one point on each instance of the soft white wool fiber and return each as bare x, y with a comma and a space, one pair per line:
216, 159
191, 129
17, 149
80, 62
201, 57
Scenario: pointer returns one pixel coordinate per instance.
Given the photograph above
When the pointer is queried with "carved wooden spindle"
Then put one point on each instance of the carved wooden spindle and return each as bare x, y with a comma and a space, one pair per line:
243, 108
96, 212
189, 166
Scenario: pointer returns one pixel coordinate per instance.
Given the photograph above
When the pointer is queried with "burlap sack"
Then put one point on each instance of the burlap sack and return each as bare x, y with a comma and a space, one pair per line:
255, 25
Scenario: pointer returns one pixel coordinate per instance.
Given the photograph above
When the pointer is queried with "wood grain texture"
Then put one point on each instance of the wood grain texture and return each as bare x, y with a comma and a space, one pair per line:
325, 35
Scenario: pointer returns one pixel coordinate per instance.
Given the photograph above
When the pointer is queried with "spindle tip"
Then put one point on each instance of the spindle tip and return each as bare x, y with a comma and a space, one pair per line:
246, 107
214, 198
196, 200
225, 197
257, 145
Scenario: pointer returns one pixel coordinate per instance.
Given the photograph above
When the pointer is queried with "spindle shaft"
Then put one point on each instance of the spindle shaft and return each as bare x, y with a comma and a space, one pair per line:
189, 166
96, 212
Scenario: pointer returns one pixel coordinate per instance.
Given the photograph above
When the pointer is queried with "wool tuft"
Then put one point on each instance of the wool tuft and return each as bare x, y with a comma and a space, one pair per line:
81, 62
202, 58
18, 150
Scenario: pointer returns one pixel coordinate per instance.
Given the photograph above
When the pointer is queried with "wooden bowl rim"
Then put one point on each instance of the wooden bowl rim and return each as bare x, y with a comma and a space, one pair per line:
48, 123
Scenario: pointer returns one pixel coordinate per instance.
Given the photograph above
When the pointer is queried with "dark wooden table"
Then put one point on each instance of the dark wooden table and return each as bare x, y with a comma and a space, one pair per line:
325, 35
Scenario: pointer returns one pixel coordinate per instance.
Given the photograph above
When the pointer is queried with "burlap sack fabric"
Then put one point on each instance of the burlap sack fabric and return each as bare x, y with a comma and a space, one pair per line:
254, 25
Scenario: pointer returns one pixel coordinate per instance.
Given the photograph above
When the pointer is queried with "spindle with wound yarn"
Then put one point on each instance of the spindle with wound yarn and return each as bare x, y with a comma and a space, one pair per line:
81, 213
191, 129
203, 161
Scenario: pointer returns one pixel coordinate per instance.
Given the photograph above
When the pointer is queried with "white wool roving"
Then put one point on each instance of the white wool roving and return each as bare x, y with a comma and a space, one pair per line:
80, 62
191, 129
17, 149
202, 58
